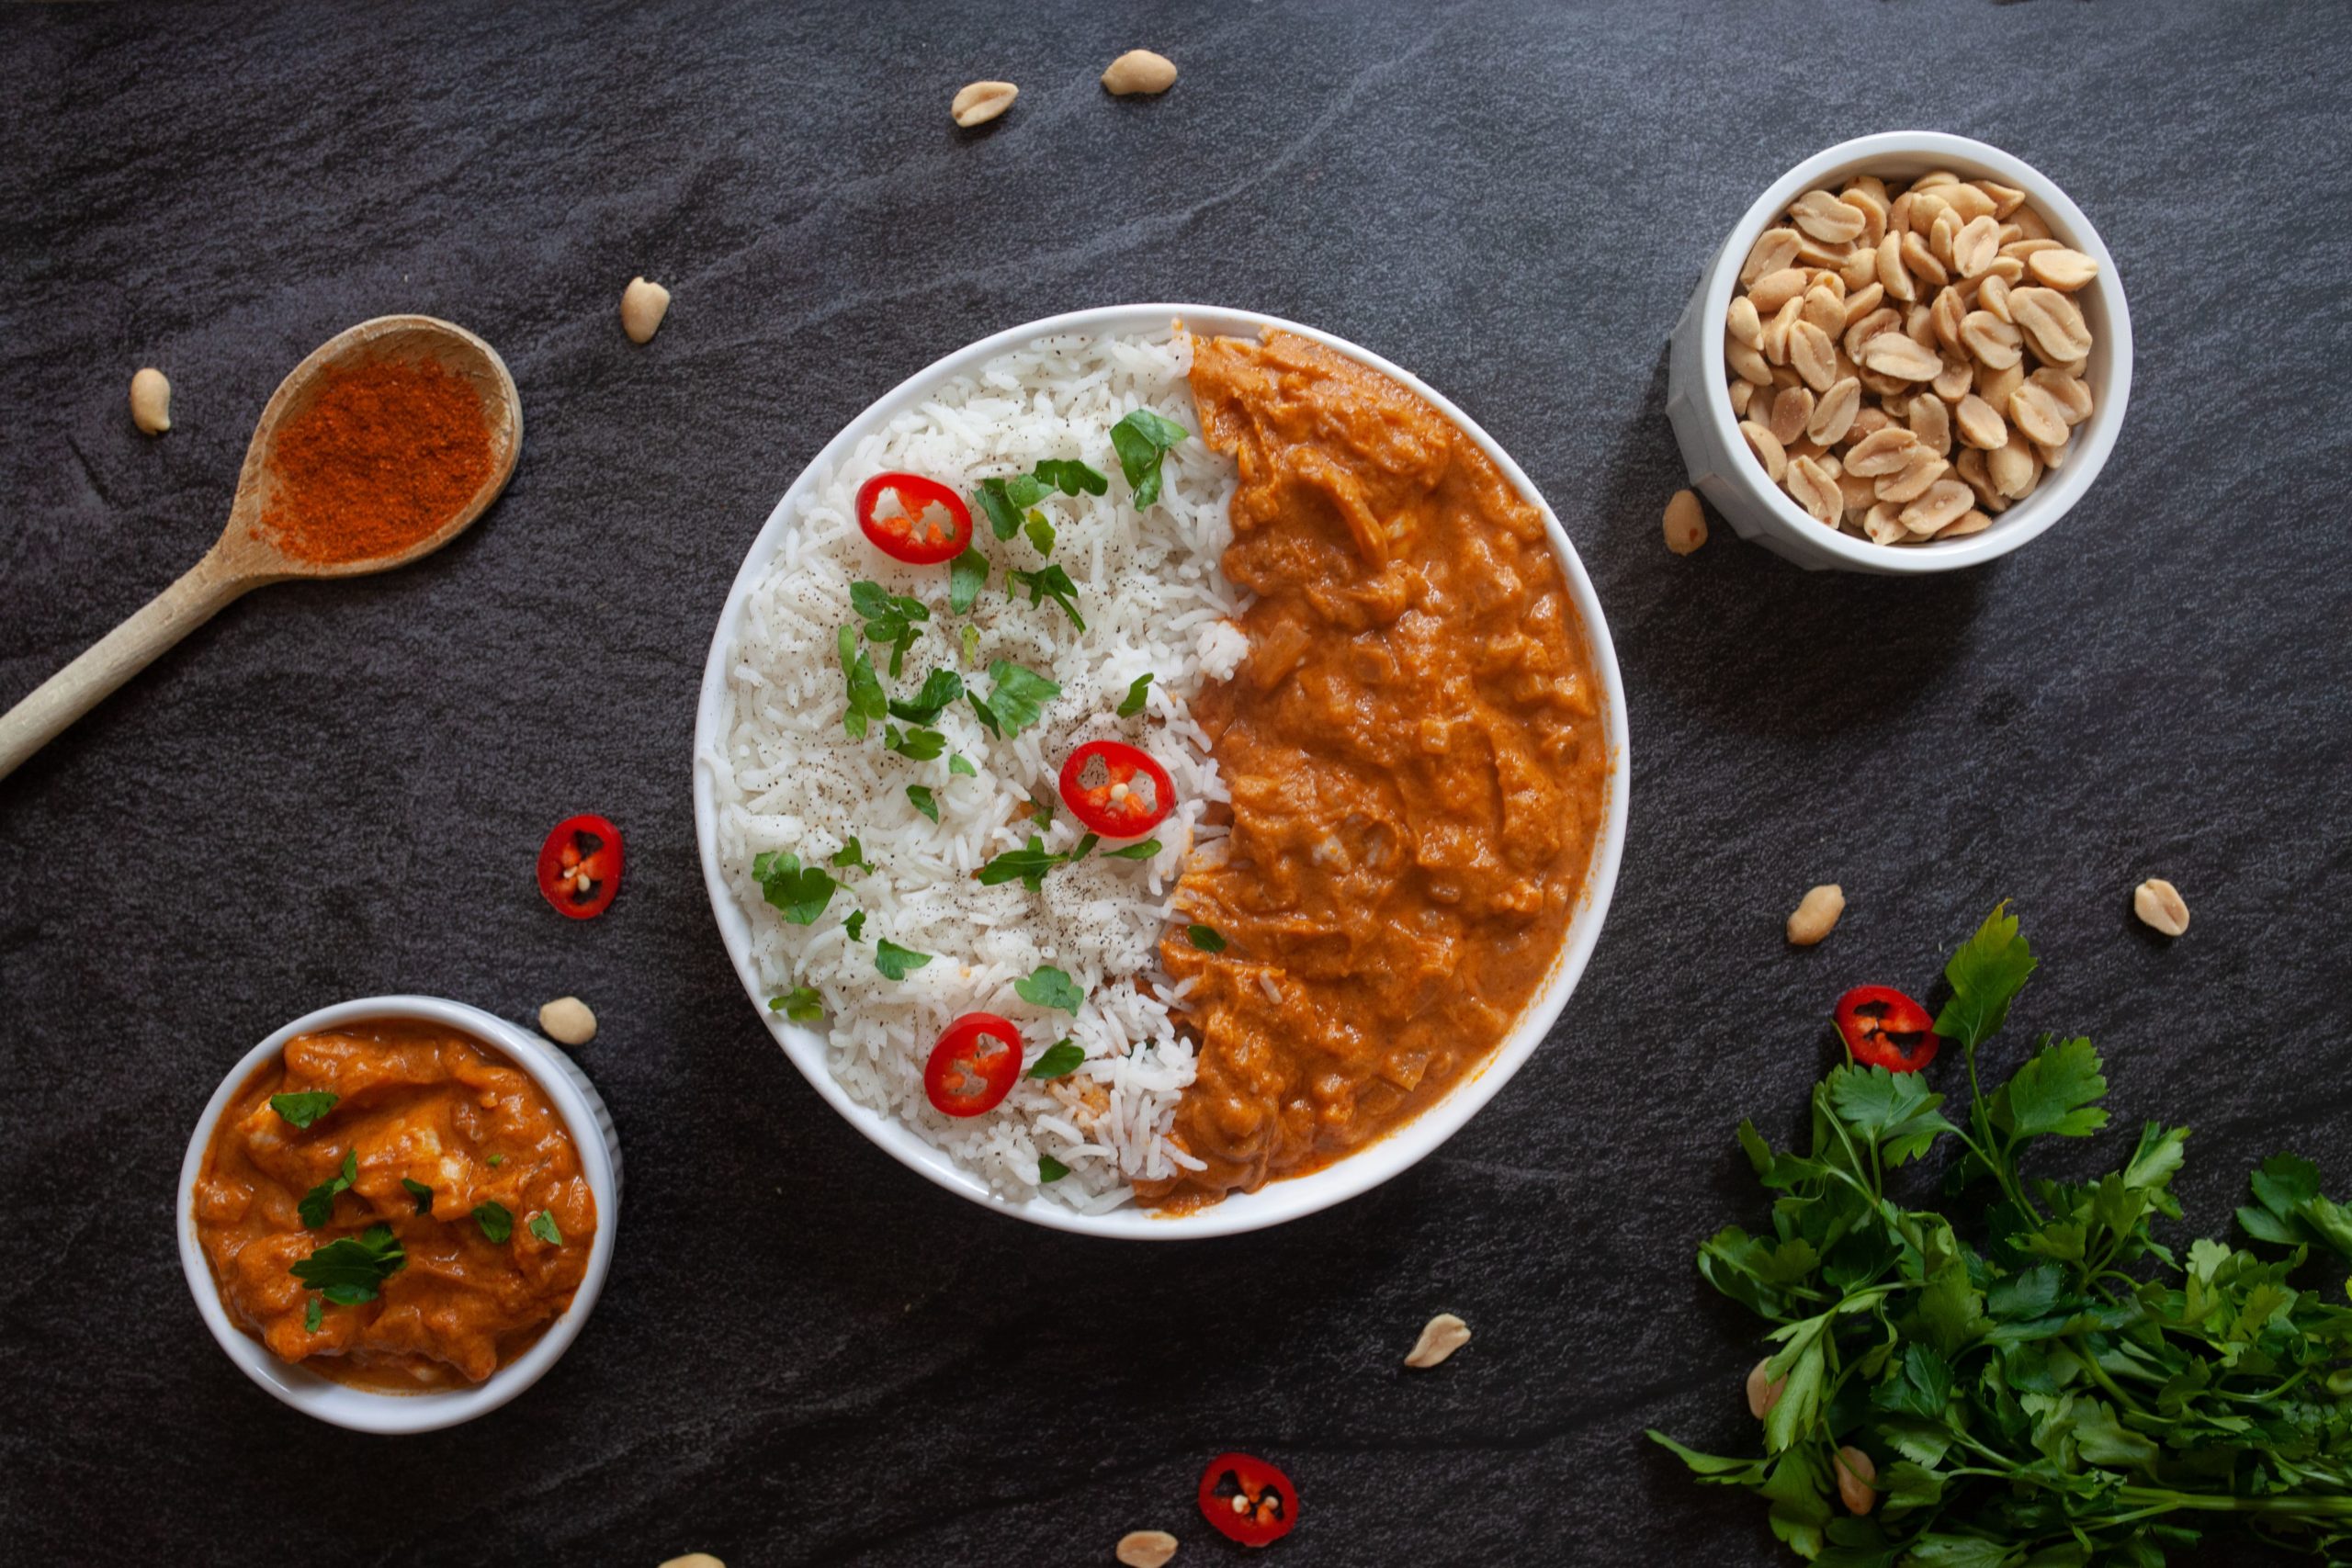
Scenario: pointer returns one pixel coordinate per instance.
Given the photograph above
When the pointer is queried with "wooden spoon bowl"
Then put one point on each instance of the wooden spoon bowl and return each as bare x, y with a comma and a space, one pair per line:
246, 556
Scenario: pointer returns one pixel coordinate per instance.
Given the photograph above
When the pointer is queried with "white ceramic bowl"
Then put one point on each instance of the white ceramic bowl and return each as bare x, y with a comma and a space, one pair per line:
1279, 1200
582, 1109
1698, 399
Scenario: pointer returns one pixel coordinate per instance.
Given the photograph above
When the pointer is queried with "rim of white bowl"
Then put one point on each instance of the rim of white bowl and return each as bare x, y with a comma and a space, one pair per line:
1277, 1201
363, 1410
2026, 520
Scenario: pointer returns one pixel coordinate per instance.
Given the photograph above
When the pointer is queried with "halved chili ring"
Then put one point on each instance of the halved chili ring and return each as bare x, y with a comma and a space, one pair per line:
1247, 1500
1884, 1028
973, 1066
1117, 790
926, 522
580, 866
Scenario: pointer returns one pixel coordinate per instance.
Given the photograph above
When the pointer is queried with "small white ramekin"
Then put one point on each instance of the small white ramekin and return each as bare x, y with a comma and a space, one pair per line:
1698, 397
582, 1109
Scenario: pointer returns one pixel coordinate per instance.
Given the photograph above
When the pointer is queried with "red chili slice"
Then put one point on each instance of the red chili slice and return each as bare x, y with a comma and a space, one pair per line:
1247, 1500
927, 523
1108, 798
974, 1065
1884, 1028
580, 866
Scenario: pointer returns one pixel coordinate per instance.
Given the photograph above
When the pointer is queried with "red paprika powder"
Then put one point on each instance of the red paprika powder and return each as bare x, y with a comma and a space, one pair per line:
384, 456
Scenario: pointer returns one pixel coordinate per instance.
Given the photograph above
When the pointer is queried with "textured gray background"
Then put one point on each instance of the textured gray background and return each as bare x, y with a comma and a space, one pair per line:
804, 1354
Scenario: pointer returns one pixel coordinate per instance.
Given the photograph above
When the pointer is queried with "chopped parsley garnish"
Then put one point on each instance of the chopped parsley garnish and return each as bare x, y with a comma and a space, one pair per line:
1073, 478
352, 1269
495, 1161
1144, 851
1208, 939
1084, 847
924, 801
1132, 704
543, 1226
421, 1192
317, 1206
1060, 1060
966, 575
895, 962
867, 702
1040, 533
851, 853
1141, 440
1017, 696
1027, 865
1005, 499
855, 925
1052, 582
496, 1220
918, 745
799, 892
801, 1004
303, 1108
940, 688
970, 637
311, 1313
1050, 1169
889, 618
959, 764
1050, 987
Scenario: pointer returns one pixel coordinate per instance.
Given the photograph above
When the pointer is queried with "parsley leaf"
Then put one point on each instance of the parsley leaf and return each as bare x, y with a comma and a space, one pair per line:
1132, 704
801, 1004
971, 644
1048, 986
966, 575
496, 1220
920, 745
419, 1192
1986, 974
867, 702
354, 1269
312, 1313
317, 1206
1050, 1169
1208, 939
924, 801
1144, 851
495, 1161
1083, 848
305, 1108
851, 853
986, 714
1016, 695
1005, 499
958, 764
1027, 865
1060, 1059
800, 892
1040, 533
940, 688
1052, 582
855, 925
1141, 440
896, 962
1073, 478
543, 1225
2053, 1094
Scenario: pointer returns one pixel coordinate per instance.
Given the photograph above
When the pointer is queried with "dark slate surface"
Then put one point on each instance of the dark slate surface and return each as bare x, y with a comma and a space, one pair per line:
804, 1354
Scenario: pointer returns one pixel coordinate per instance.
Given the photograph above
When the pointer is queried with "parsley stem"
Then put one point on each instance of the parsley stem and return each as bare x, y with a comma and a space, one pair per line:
2098, 1373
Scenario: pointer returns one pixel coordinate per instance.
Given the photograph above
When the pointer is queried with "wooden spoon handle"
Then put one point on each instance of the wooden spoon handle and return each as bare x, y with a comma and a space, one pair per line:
117, 657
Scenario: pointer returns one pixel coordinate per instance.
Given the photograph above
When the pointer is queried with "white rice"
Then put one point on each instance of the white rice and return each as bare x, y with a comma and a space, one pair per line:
790, 778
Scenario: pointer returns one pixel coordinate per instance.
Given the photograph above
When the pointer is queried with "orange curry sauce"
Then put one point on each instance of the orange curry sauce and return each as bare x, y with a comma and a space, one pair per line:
1417, 762
418, 1101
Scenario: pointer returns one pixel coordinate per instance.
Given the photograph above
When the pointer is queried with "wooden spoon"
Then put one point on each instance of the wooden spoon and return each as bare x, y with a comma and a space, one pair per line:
246, 557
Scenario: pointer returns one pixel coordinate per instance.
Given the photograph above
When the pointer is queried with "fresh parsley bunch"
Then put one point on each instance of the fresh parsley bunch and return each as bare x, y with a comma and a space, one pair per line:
2038, 1381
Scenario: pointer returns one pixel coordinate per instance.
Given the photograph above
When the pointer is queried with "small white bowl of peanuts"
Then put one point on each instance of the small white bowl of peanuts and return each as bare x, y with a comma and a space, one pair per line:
1911, 354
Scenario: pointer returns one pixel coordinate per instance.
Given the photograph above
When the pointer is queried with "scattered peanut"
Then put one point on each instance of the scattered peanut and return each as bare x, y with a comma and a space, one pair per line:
1855, 1473
1763, 1393
1440, 1338
567, 1022
2160, 907
643, 305
150, 401
983, 102
1817, 913
1686, 523
1886, 333
1140, 71
1146, 1548
695, 1559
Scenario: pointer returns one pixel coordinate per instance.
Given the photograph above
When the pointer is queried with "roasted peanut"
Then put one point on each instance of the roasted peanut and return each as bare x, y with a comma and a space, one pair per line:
151, 400
1816, 915
983, 102
1139, 70
2160, 907
643, 305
